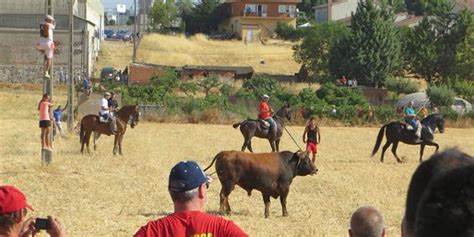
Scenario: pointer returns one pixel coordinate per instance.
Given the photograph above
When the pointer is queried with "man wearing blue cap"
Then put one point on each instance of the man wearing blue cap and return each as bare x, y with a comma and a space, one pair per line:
188, 189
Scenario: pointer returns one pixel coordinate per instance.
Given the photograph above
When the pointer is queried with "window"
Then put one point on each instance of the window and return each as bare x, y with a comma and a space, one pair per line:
262, 10
250, 8
290, 9
281, 8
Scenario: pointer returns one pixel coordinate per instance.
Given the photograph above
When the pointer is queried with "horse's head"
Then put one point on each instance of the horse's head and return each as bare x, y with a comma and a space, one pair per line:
435, 121
135, 116
440, 123
285, 112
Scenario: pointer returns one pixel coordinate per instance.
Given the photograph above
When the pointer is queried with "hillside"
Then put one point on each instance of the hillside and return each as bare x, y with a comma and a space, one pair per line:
198, 50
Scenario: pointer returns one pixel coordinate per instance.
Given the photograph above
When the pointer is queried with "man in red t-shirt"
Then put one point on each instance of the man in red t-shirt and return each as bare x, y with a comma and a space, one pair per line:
265, 112
188, 189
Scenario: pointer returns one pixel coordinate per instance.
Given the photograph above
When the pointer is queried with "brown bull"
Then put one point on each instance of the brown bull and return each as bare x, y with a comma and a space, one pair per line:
269, 173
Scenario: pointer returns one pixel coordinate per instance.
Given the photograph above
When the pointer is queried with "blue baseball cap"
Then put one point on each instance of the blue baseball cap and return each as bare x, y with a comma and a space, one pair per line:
186, 175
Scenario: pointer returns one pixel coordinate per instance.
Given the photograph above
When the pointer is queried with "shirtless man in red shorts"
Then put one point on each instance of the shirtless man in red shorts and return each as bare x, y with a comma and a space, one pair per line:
311, 131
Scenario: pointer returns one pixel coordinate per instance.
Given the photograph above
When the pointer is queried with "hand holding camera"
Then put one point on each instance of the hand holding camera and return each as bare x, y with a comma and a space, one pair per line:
52, 225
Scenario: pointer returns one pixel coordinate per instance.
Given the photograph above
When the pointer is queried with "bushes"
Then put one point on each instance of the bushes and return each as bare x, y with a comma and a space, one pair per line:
286, 32
440, 96
260, 85
223, 103
400, 85
346, 100
463, 88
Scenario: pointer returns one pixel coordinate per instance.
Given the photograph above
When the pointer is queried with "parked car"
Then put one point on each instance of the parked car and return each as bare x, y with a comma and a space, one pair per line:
123, 35
109, 34
107, 73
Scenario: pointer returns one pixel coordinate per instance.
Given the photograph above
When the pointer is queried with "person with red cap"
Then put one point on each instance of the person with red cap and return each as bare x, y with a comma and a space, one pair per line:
188, 189
13, 211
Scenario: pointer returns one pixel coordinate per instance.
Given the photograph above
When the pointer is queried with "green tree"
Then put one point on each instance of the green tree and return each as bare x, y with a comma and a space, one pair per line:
465, 56
163, 14
422, 52
260, 85
396, 5
314, 51
433, 44
163, 86
306, 6
204, 17
415, 7
188, 88
374, 48
111, 22
426, 7
208, 83
440, 95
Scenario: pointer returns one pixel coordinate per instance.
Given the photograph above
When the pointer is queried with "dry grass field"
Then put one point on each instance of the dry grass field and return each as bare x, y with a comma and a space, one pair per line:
198, 50
103, 195
115, 54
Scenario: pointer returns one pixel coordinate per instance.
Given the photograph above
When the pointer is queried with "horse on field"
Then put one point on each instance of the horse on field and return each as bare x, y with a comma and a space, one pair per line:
252, 127
91, 123
396, 132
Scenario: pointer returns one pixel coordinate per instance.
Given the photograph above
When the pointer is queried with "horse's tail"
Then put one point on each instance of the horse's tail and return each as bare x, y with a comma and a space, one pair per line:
379, 139
215, 158
82, 133
236, 125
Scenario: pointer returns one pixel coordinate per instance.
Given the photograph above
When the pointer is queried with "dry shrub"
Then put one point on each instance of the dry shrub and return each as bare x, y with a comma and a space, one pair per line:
460, 123
212, 116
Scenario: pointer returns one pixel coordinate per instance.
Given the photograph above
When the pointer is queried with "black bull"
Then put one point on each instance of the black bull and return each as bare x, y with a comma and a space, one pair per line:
269, 173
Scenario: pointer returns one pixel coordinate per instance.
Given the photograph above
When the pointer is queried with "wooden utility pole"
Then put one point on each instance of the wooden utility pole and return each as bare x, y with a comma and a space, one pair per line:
70, 92
135, 19
329, 10
47, 155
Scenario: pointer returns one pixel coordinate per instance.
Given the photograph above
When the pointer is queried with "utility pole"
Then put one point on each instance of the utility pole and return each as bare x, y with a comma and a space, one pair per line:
329, 14
135, 32
70, 92
47, 155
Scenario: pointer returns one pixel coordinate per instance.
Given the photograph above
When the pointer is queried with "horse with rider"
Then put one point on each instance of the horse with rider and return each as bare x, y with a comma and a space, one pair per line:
269, 125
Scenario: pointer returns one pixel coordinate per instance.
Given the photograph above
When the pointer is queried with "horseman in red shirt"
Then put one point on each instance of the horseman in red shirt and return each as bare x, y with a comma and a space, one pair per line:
265, 113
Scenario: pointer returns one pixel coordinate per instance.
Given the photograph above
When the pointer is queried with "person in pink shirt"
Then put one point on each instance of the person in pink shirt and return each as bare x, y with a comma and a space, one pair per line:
45, 121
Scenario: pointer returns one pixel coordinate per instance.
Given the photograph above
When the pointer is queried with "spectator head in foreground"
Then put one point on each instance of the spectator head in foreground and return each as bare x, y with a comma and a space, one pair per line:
447, 206
438, 164
188, 186
13, 211
367, 222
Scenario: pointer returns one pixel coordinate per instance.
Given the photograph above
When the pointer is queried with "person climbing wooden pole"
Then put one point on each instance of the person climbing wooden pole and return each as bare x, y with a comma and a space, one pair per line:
46, 46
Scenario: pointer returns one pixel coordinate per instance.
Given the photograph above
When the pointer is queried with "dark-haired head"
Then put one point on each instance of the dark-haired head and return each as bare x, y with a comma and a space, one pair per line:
447, 206
438, 164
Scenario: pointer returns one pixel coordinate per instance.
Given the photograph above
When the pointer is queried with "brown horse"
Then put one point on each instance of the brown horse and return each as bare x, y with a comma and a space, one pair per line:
90, 123
252, 127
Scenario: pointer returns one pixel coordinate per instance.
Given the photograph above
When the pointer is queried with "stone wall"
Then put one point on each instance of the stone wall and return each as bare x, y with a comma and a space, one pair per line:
20, 62
33, 74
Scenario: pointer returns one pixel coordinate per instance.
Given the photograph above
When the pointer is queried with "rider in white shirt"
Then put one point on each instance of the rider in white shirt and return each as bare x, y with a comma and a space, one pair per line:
105, 112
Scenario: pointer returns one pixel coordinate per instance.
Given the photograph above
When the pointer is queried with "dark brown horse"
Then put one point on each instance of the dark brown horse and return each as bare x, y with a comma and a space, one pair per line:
396, 132
90, 123
252, 127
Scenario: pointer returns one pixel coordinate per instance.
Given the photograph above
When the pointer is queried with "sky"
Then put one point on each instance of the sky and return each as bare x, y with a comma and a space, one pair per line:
112, 3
